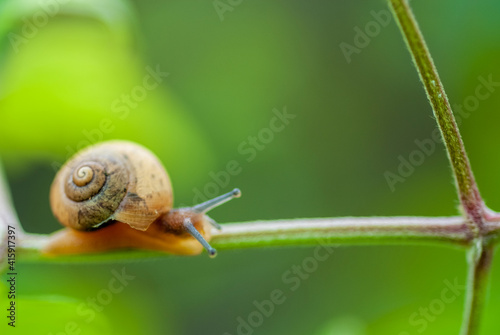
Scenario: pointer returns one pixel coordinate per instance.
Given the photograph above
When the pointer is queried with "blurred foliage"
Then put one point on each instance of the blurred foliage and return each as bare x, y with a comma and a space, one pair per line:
353, 122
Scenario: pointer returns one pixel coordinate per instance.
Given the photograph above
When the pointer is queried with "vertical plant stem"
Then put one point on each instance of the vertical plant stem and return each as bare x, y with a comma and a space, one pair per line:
468, 192
479, 270
8, 217
464, 178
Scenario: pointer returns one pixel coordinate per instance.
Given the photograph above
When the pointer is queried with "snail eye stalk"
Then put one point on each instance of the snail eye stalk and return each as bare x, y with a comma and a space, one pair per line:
196, 234
204, 208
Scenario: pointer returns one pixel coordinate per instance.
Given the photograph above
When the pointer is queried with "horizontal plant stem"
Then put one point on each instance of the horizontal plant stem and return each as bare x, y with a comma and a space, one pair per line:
348, 230
466, 186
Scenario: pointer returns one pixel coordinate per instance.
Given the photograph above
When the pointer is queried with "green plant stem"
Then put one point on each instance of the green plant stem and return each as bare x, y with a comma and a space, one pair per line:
464, 178
8, 217
348, 230
478, 228
475, 210
479, 270
452, 231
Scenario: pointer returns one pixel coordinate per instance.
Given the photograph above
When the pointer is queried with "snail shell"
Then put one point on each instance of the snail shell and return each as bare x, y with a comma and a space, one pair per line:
116, 180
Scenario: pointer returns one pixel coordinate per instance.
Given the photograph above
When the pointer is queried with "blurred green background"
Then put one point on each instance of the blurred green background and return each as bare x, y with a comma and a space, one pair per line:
66, 67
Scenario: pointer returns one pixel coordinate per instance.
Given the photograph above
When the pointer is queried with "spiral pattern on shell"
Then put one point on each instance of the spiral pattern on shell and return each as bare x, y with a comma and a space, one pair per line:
115, 180
86, 181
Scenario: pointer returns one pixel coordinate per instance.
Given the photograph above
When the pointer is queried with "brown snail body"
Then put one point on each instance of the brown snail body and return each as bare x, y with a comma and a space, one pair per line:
117, 195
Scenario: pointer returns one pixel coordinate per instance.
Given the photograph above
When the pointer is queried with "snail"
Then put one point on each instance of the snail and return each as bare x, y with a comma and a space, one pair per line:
117, 195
